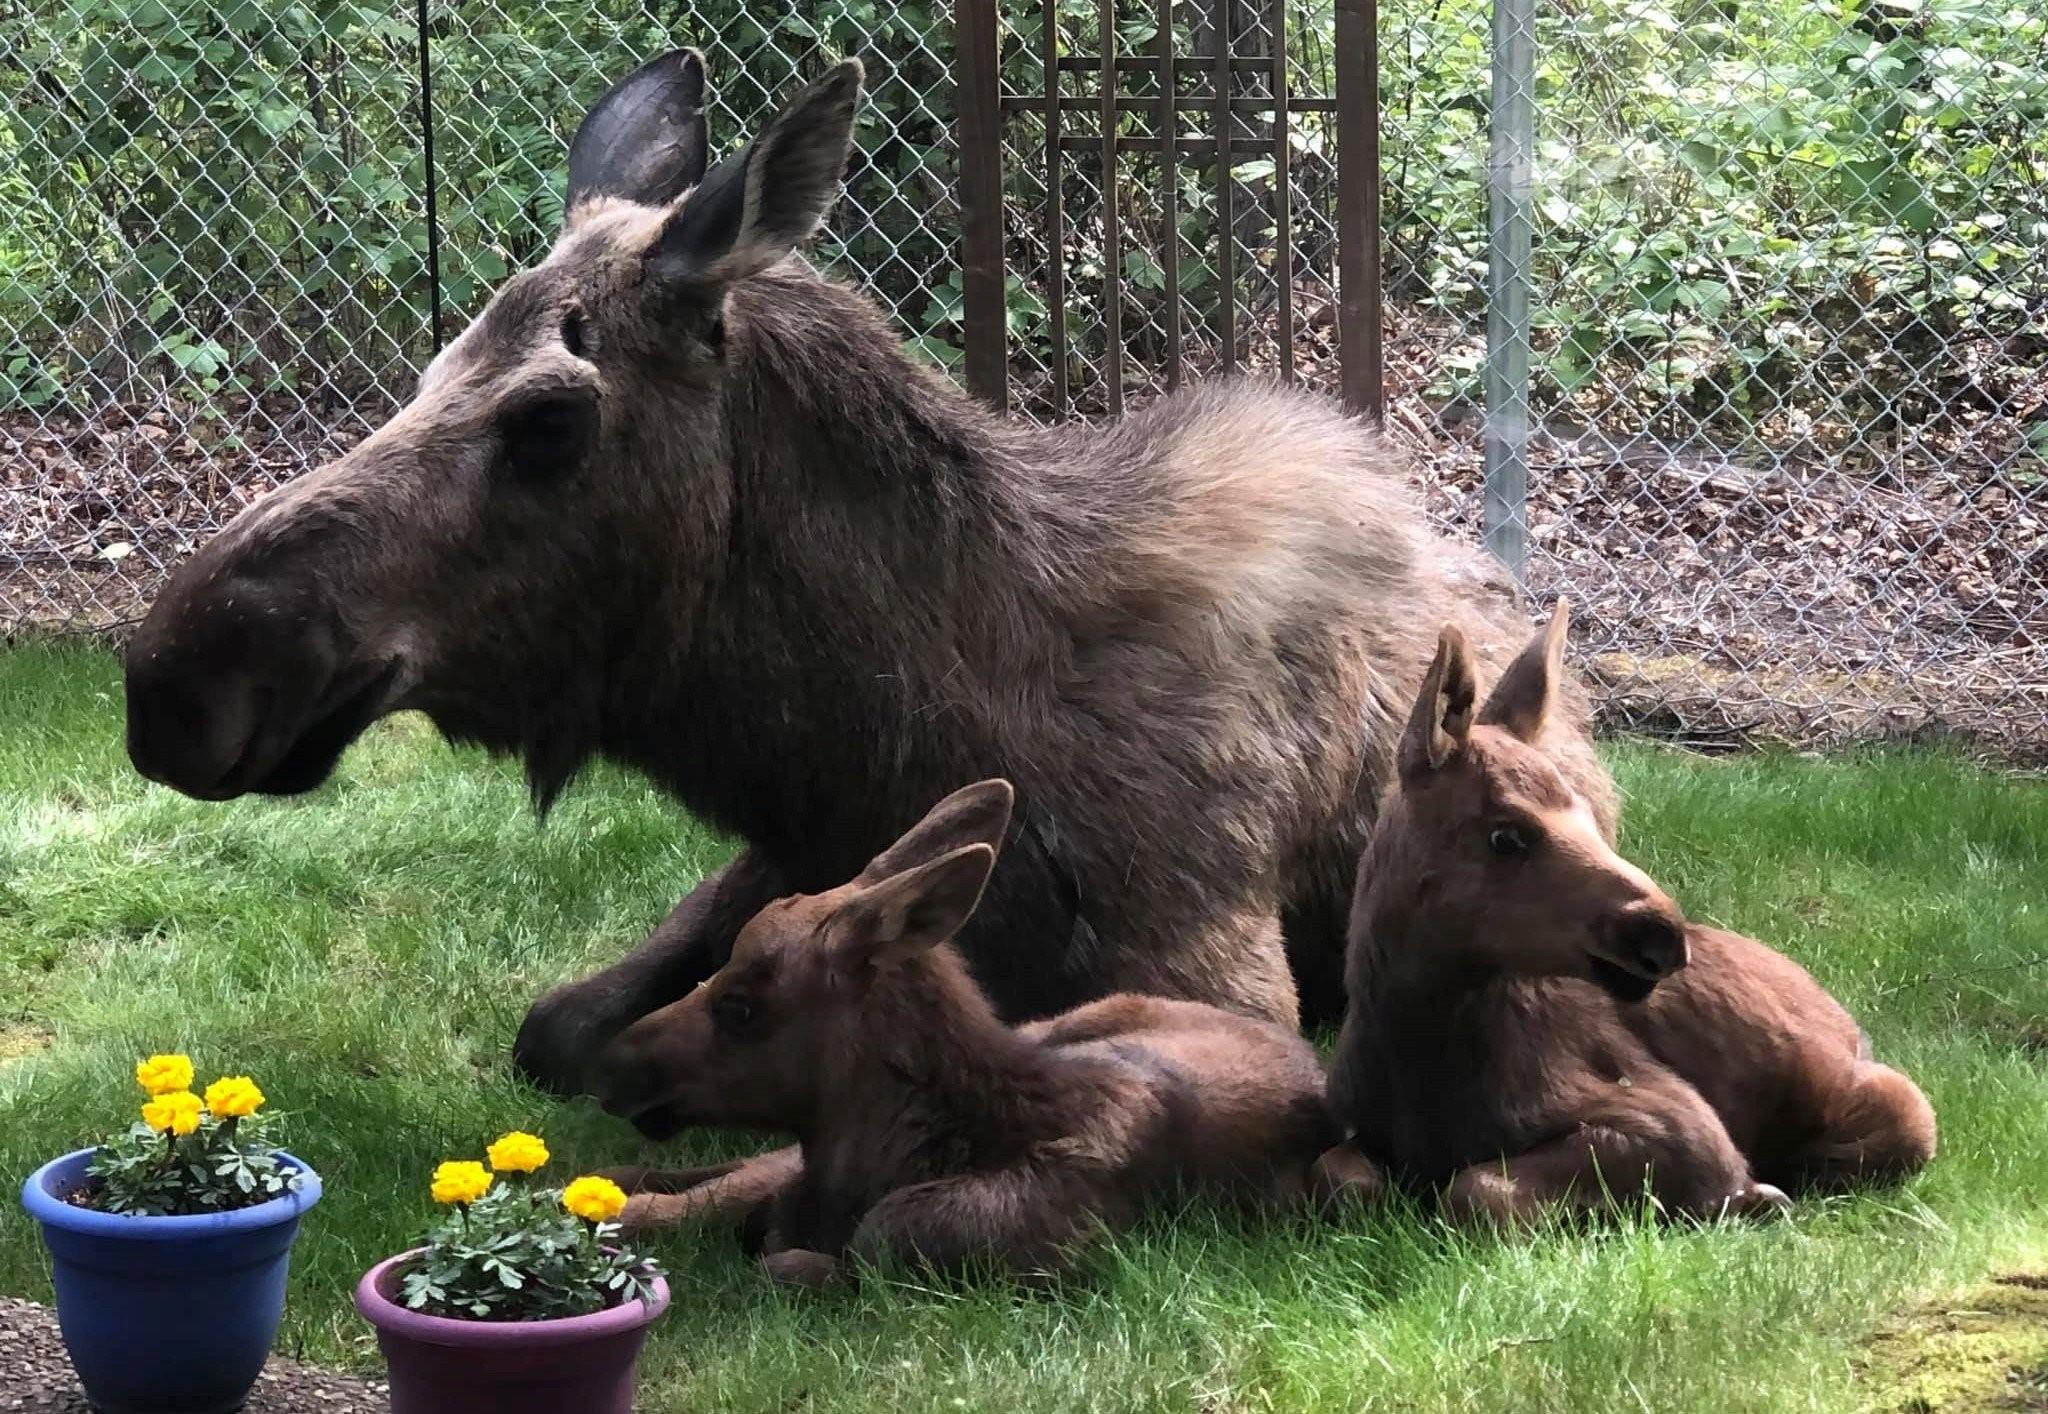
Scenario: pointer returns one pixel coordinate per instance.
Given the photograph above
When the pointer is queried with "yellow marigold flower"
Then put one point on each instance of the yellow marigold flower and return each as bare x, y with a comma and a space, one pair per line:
233, 1096
461, 1181
161, 1075
175, 1113
594, 1199
517, 1152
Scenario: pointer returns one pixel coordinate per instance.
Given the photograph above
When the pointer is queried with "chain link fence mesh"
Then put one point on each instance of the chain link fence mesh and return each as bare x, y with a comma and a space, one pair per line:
1788, 342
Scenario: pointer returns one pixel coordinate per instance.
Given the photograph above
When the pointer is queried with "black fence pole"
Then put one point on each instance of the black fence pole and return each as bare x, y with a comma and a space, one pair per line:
427, 152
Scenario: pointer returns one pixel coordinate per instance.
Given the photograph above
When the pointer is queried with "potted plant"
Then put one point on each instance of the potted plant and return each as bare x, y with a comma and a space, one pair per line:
169, 1245
523, 1299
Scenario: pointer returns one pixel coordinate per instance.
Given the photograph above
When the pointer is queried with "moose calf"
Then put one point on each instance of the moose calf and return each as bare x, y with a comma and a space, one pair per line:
929, 1130
1533, 1024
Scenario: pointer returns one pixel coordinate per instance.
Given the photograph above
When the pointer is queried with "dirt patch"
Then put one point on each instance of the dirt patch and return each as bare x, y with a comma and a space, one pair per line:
38, 1375
19, 1039
1987, 1351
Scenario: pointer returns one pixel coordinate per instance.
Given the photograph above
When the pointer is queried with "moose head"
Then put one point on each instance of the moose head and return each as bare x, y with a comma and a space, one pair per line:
753, 1044
560, 485
1486, 855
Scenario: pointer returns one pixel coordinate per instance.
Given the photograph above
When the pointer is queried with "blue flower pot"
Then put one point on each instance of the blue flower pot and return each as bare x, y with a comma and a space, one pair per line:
166, 1315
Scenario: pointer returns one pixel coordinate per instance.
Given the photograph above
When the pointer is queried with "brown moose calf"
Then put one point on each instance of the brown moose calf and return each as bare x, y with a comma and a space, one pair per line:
1533, 1023
929, 1130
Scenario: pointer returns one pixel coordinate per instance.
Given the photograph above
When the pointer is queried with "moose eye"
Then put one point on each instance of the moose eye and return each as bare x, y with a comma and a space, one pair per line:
547, 438
733, 1012
1508, 842
572, 333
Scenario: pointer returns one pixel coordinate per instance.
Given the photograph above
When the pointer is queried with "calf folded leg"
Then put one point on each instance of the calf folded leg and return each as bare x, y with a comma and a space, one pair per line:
1014, 1218
1878, 1129
1667, 1143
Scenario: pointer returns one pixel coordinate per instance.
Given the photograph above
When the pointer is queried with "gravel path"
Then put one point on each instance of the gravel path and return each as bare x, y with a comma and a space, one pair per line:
35, 1375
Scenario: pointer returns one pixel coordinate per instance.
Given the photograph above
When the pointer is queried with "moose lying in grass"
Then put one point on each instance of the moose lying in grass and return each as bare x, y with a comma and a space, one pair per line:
676, 500
1533, 1023
929, 1130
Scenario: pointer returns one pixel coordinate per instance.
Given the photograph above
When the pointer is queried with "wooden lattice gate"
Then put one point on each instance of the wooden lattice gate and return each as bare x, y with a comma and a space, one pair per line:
1241, 99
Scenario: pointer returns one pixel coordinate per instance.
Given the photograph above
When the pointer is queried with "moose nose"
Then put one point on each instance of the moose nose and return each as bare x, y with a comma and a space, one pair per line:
1652, 940
210, 675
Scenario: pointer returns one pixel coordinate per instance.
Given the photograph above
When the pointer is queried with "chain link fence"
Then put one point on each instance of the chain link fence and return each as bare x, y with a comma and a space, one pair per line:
1780, 399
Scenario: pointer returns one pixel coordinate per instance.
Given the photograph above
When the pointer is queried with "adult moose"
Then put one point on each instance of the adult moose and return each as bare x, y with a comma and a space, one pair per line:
676, 500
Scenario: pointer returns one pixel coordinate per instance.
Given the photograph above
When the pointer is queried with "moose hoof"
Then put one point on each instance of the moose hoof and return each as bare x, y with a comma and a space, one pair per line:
556, 1041
1344, 1176
1759, 1202
801, 1269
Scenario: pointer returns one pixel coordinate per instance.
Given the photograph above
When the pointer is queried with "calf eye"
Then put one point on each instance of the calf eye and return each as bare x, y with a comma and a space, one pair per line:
572, 333
734, 1013
548, 437
1508, 842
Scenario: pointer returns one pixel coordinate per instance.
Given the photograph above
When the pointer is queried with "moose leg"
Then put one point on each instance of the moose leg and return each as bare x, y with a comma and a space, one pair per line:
565, 1029
1879, 1129
721, 1193
1672, 1145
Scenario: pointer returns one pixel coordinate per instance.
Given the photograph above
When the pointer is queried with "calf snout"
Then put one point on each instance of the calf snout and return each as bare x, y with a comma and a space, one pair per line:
1649, 941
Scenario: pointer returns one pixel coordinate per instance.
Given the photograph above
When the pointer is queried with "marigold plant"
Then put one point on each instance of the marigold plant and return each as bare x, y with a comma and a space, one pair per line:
187, 1154
520, 1251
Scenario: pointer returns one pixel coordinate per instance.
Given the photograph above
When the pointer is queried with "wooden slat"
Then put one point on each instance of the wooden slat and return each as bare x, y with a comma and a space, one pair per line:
1283, 191
1112, 252
1169, 191
1359, 315
1226, 217
1182, 102
981, 202
1056, 211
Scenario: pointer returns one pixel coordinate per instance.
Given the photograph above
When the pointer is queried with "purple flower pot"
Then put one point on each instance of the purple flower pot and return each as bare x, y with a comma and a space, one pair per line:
166, 1315
438, 1364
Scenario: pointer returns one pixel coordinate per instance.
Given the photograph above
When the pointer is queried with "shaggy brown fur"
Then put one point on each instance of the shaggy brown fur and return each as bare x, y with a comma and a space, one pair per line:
930, 1131
1533, 1022
675, 500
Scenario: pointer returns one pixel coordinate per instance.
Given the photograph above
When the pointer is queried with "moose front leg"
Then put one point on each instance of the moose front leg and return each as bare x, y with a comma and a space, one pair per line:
565, 1029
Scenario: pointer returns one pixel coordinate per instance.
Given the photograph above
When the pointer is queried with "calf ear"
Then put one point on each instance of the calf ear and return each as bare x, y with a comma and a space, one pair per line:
883, 924
762, 202
645, 139
976, 814
1521, 700
1442, 718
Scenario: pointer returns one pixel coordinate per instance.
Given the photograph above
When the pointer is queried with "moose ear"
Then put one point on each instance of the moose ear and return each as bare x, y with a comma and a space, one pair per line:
1521, 700
1442, 718
644, 140
976, 814
886, 923
762, 202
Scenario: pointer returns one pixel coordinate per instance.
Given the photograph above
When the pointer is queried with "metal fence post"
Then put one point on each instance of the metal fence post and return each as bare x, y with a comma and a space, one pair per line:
1513, 142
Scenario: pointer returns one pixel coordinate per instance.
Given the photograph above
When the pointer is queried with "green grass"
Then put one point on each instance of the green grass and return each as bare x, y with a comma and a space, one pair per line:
368, 952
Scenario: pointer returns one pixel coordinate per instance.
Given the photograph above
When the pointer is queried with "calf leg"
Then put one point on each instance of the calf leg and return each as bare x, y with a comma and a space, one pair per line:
1344, 1175
1878, 1129
1016, 1219
565, 1029
1671, 1145
724, 1192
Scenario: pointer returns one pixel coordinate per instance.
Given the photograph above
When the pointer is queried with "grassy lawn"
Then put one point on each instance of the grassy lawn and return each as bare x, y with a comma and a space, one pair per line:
367, 953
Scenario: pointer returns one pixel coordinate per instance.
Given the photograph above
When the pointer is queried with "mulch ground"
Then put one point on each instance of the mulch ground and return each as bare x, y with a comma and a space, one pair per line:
36, 1375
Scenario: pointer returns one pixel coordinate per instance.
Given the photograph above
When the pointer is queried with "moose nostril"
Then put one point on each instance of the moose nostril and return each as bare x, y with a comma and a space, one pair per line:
1657, 943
